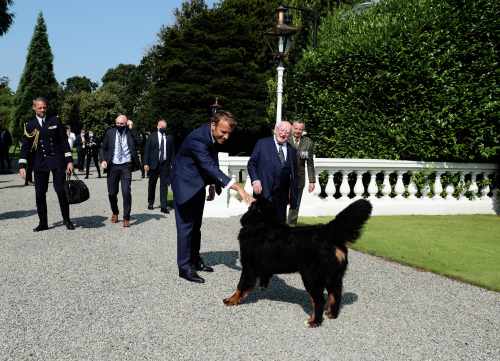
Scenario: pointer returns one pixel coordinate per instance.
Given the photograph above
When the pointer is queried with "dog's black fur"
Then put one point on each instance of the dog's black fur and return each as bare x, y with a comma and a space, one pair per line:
318, 253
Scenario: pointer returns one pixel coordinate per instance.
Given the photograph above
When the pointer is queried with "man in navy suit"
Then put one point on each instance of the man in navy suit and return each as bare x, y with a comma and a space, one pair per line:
120, 159
46, 141
196, 166
273, 170
158, 155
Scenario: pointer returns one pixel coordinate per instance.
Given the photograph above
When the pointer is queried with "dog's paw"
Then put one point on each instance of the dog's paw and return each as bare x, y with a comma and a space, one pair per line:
231, 301
311, 323
331, 315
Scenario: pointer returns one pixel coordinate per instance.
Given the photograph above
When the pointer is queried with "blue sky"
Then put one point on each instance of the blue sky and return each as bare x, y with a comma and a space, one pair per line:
87, 37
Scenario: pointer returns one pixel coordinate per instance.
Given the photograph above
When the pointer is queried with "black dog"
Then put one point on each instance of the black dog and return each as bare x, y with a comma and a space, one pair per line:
318, 253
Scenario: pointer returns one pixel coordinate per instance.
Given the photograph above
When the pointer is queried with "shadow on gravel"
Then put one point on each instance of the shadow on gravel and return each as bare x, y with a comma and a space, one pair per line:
17, 214
227, 258
279, 291
89, 222
13, 186
144, 217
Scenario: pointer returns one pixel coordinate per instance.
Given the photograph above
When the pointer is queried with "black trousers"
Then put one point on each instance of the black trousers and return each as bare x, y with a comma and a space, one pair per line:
41, 187
188, 219
96, 163
81, 152
159, 172
4, 159
120, 174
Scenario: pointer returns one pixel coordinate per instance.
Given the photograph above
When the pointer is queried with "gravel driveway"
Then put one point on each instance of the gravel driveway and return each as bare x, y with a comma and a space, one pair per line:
102, 292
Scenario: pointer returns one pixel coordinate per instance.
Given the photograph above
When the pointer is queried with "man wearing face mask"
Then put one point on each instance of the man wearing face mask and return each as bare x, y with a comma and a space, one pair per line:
158, 155
119, 158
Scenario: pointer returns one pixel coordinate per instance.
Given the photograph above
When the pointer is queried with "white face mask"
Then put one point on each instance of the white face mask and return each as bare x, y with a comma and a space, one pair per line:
91, 134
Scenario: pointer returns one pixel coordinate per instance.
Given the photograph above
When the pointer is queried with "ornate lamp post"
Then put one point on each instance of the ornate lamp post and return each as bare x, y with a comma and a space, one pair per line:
215, 106
284, 32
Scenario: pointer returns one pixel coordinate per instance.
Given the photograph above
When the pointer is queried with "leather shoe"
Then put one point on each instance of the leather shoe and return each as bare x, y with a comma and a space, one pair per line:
126, 223
40, 227
150, 206
191, 276
165, 210
69, 225
114, 218
201, 266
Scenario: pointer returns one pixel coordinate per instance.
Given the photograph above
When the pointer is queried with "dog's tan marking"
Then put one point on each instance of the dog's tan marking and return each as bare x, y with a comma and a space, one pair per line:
236, 298
329, 305
340, 255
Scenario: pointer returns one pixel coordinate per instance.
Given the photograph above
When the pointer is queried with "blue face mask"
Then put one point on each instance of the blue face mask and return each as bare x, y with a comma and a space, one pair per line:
162, 130
121, 128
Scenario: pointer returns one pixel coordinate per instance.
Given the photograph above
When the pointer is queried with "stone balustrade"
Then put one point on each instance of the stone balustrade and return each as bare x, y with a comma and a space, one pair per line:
393, 187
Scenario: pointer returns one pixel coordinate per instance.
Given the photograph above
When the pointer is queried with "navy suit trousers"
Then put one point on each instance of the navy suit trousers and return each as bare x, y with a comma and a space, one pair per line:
188, 218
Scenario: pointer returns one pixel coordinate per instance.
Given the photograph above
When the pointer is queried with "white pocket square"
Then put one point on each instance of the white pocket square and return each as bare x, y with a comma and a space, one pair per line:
53, 127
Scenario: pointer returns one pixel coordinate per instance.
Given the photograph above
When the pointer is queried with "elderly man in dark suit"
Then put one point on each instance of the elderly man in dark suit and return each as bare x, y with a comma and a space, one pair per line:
272, 169
196, 166
120, 159
158, 155
46, 141
305, 154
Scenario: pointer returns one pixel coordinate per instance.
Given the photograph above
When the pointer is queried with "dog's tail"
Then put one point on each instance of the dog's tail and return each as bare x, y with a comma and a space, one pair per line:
346, 227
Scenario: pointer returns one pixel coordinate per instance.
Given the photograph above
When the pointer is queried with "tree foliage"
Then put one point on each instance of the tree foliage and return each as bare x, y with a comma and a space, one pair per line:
209, 53
6, 17
98, 110
76, 84
37, 79
6, 102
415, 79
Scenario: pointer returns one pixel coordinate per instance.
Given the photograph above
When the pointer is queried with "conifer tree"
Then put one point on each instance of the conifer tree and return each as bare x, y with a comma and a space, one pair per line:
37, 80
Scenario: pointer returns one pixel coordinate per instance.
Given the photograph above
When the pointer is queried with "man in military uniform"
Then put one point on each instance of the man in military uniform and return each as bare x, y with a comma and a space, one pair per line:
305, 154
46, 138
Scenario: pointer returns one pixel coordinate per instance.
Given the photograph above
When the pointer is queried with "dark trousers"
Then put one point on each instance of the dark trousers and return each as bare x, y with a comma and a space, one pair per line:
81, 152
29, 170
41, 187
96, 163
4, 159
120, 173
293, 214
188, 218
162, 172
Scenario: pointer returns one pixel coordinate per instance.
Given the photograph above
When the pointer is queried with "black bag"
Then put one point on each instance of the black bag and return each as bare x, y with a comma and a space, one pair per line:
76, 190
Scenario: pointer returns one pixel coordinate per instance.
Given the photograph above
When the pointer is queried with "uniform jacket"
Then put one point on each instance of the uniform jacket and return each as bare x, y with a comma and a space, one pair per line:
196, 165
305, 154
49, 145
264, 165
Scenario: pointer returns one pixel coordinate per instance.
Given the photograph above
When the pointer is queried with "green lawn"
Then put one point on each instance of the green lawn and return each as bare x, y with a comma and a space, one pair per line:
465, 247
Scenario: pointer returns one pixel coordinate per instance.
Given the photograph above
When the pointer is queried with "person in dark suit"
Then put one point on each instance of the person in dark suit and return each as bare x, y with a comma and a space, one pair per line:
46, 139
196, 166
158, 155
305, 154
119, 157
5, 143
80, 149
92, 152
273, 170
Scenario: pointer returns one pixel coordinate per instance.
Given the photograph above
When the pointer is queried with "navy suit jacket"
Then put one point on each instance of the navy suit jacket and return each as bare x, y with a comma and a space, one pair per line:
152, 150
108, 147
52, 150
196, 165
264, 165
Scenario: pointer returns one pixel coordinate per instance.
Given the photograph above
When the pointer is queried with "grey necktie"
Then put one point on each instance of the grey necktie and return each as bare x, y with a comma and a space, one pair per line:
281, 154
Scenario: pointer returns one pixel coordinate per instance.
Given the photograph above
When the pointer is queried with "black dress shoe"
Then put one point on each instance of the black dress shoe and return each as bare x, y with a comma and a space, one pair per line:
165, 210
40, 227
201, 266
69, 225
191, 276
150, 206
